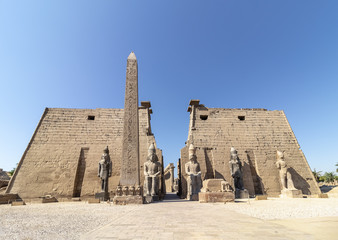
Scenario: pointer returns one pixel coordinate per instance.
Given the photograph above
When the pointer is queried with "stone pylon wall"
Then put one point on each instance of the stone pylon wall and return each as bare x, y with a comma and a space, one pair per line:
256, 134
66, 147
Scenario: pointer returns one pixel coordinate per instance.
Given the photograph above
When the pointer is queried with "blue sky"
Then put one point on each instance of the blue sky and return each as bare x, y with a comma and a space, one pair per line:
279, 55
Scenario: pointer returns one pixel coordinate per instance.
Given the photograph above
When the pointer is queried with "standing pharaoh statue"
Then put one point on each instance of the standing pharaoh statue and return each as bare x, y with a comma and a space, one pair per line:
236, 172
284, 174
105, 169
193, 171
152, 170
236, 169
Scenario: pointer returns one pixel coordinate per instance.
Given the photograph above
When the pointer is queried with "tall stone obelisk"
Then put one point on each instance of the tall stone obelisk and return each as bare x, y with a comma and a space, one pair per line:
129, 190
130, 168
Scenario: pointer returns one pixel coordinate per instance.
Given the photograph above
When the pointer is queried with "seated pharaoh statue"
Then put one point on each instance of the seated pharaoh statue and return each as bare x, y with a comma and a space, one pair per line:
193, 171
152, 170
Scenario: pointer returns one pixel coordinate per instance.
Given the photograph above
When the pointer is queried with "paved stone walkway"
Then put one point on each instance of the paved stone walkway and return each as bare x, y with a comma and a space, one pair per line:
180, 219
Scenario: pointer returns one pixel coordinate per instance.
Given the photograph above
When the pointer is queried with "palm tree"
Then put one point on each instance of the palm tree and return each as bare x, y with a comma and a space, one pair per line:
329, 177
336, 166
11, 172
316, 174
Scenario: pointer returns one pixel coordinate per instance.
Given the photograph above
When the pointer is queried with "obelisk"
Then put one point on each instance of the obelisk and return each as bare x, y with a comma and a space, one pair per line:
130, 168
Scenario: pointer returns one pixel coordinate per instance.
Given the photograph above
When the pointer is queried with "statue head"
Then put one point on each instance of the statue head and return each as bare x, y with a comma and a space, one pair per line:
151, 149
280, 155
233, 153
152, 152
192, 152
106, 150
105, 154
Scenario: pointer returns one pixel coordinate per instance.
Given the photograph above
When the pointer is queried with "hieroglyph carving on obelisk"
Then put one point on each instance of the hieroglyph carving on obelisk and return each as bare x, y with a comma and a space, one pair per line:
130, 174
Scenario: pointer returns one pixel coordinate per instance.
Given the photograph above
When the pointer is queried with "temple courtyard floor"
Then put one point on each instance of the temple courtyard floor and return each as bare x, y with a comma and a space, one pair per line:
307, 218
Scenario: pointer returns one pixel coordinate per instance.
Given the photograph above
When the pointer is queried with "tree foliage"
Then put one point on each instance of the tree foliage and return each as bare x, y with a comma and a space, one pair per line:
11, 172
329, 177
317, 174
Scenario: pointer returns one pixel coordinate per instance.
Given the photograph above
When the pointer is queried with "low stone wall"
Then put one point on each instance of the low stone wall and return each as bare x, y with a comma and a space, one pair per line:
4, 183
211, 197
8, 198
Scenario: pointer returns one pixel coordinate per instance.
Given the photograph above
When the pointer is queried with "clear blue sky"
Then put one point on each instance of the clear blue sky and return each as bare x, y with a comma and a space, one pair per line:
279, 55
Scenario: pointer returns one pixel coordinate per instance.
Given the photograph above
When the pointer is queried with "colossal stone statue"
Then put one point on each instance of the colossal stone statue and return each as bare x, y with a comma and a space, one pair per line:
152, 169
192, 169
284, 174
105, 169
236, 169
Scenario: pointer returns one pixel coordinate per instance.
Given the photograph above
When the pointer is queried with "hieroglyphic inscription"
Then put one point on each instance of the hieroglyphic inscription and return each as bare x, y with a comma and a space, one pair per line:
130, 149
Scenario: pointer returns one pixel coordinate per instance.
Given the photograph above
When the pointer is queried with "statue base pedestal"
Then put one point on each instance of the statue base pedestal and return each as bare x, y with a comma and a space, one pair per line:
49, 200
211, 197
241, 194
103, 196
193, 197
150, 199
125, 200
291, 193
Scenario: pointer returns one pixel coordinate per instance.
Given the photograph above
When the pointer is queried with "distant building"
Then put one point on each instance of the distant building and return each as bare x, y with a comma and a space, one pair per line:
169, 178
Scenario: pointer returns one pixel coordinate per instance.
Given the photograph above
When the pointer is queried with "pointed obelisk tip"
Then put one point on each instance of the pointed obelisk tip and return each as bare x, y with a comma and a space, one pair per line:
132, 56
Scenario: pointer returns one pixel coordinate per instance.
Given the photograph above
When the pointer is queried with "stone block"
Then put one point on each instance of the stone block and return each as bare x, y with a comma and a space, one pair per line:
261, 197
288, 193
103, 196
194, 197
242, 194
93, 200
8, 198
206, 197
18, 203
125, 200
49, 200
150, 199
322, 195
213, 185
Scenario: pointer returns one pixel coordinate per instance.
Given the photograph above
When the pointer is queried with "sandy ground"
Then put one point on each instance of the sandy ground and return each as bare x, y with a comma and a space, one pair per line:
70, 220
276, 208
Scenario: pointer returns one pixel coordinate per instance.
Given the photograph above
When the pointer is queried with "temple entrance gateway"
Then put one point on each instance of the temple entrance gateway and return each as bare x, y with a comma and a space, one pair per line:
227, 151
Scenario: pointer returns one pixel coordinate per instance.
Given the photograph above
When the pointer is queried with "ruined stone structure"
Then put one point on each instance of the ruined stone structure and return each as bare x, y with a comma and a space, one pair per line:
62, 156
216, 190
169, 178
256, 134
4, 179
